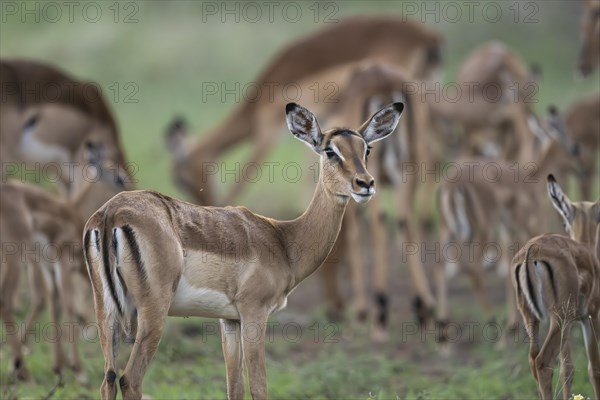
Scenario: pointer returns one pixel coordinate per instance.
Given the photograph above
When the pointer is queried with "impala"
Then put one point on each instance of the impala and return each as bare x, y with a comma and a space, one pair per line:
494, 208
32, 218
326, 58
47, 116
558, 278
494, 108
150, 256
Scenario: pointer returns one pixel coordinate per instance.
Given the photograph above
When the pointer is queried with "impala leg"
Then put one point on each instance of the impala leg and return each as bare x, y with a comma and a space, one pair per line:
334, 303
232, 351
55, 317
67, 296
357, 266
532, 327
254, 326
424, 302
591, 337
441, 283
566, 366
150, 325
8, 284
109, 341
546, 358
38, 290
381, 266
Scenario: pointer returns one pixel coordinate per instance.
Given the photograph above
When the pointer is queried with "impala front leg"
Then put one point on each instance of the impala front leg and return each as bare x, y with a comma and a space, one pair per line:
253, 331
232, 351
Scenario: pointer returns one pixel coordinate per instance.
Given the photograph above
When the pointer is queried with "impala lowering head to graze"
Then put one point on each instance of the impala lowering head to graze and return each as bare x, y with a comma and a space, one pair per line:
590, 49
479, 210
32, 218
150, 256
324, 59
558, 278
495, 106
47, 115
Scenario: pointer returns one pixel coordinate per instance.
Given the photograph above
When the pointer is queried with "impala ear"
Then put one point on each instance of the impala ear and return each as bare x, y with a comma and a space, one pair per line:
382, 123
304, 126
560, 201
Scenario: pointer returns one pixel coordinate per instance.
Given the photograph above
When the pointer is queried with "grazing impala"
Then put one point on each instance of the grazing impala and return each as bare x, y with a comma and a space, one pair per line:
32, 218
47, 115
150, 256
558, 278
325, 58
590, 49
494, 108
492, 203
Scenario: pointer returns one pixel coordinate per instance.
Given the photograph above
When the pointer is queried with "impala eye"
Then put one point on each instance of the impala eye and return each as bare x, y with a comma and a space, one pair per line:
330, 154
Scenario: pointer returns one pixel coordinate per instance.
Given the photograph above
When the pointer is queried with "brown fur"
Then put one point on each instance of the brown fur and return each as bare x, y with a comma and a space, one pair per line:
558, 278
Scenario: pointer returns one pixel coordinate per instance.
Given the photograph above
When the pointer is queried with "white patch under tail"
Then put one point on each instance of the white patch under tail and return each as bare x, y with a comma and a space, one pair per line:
122, 254
536, 284
34, 149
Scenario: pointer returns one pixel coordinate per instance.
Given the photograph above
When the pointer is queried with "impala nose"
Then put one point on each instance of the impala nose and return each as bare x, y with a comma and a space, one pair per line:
365, 183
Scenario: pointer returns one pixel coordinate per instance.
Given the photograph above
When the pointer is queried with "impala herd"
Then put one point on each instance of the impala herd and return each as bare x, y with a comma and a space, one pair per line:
149, 256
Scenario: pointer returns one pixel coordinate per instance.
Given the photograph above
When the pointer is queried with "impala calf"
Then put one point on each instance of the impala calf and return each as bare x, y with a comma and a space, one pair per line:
558, 278
150, 256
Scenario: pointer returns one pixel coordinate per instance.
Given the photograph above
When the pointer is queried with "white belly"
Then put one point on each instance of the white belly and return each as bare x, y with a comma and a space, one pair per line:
190, 301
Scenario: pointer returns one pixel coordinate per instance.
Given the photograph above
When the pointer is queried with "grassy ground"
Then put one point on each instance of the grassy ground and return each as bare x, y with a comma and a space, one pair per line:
161, 62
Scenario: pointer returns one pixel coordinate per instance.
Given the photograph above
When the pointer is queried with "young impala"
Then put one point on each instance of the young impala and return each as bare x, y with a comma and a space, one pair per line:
150, 256
558, 278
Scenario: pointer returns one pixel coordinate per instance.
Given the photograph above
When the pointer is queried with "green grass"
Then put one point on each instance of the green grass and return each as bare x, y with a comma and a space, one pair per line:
189, 365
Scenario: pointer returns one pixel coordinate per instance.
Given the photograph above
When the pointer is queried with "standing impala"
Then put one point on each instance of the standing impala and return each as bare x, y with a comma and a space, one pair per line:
558, 278
150, 256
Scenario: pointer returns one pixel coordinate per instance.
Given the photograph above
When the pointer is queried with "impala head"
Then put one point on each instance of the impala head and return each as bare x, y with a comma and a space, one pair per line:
590, 50
581, 218
344, 152
99, 179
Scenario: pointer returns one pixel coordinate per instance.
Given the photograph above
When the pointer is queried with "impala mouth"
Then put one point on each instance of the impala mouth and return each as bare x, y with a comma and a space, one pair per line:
362, 198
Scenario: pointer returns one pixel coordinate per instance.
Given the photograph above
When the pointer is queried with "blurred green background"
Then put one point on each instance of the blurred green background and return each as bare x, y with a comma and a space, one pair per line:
176, 47
168, 50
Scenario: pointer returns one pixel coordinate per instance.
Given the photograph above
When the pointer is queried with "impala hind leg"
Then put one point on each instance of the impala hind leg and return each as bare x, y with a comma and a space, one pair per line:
232, 351
591, 337
566, 367
546, 359
109, 341
150, 324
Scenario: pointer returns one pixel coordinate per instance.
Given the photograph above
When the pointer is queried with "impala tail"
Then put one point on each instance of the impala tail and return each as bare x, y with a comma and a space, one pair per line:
110, 255
533, 276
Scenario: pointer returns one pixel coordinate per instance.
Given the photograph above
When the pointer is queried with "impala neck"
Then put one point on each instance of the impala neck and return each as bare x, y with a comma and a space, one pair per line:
310, 237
